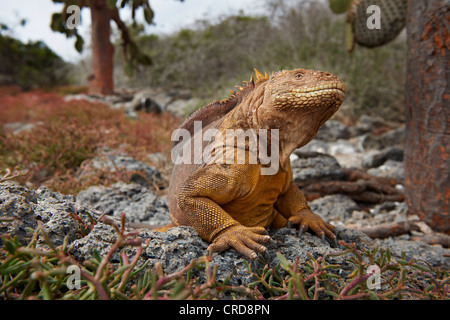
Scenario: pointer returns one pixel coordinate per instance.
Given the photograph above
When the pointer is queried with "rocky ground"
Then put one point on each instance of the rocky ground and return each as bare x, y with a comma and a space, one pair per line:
352, 176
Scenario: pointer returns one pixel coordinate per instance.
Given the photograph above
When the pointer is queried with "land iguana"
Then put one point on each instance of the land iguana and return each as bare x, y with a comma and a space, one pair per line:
231, 204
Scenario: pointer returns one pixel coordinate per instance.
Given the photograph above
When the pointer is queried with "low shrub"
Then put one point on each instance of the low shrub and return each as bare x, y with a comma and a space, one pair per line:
211, 57
32, 272
30, 65
66, 133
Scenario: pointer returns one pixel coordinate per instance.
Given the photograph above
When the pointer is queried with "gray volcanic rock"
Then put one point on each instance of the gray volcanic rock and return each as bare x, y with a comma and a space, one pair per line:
137, 202
27, 207
178, 246
310, 167
21, 209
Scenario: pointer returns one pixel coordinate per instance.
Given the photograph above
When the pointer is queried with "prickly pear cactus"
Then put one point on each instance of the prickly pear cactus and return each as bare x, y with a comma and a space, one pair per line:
392, 18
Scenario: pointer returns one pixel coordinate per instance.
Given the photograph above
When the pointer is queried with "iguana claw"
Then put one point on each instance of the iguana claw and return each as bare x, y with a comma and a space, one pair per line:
308, 220
301, 230
247, 241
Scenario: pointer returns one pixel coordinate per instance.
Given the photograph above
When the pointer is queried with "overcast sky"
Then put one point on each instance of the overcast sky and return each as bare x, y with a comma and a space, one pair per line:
170, 15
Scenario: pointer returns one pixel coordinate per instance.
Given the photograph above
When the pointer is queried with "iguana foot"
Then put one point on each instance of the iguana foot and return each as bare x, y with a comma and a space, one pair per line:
306, 219
247, 241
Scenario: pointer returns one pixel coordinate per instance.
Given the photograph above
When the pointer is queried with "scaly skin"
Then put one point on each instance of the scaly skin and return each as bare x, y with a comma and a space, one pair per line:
231, 205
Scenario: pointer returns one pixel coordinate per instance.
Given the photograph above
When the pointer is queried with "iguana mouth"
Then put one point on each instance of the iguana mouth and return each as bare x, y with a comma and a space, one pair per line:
328, 86
312, 96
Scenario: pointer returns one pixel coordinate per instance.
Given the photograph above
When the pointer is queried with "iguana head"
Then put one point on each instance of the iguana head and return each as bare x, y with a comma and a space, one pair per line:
305, 89
297, 102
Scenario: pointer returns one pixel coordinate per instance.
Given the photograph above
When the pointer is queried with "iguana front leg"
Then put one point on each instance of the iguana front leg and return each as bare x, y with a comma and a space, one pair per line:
294, 207
201, 198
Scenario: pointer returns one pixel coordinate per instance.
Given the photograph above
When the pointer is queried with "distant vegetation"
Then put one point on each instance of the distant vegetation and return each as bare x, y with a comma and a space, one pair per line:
63, 134
30, 65
209, 59
212, 57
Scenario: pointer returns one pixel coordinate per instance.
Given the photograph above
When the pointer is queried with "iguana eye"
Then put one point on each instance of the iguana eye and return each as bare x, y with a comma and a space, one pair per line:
299, 75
